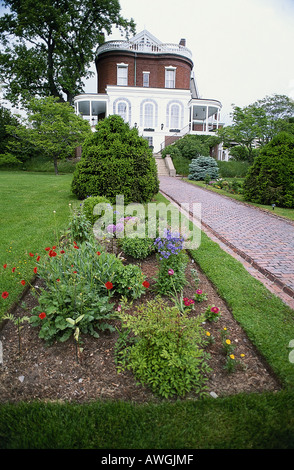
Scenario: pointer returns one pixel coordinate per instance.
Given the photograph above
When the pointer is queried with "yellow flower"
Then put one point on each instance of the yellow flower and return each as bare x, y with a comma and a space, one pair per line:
228, 341
242, 355
232, 356
207, 333
225, 328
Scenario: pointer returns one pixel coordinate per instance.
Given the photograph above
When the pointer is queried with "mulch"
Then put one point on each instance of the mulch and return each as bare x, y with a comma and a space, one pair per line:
53, 373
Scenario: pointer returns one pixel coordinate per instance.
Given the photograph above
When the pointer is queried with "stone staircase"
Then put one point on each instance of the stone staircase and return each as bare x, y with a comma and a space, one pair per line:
162, 168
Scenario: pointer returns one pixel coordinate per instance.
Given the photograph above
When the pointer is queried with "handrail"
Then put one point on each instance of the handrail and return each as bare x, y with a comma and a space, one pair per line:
181, 133
143, 47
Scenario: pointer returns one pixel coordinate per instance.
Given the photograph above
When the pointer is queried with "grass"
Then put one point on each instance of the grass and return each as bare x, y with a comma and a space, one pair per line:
28, 224
239, 422
244, 421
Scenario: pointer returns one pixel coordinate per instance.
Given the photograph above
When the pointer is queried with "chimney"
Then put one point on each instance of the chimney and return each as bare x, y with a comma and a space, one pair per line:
183, 42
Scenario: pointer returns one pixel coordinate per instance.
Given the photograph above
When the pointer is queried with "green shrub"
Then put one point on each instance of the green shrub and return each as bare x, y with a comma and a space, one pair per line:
88, 207
130, 281
233, 169
80, 229
202, 167
116, 161
270, 180
167, 354
138, 248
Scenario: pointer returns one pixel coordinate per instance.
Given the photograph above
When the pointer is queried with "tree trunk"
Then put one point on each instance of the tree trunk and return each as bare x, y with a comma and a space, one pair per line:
55, 166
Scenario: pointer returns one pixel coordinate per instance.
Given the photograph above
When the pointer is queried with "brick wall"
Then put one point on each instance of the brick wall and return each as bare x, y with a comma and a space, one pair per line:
106, 65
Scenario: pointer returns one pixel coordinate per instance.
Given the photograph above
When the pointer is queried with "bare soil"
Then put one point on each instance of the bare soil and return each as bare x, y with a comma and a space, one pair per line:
52, 373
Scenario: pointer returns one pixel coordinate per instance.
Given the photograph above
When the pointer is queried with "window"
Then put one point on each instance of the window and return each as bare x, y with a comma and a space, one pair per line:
174, 116
150, 141
146, 79
148, 115
170, 77
122, 74
122, 110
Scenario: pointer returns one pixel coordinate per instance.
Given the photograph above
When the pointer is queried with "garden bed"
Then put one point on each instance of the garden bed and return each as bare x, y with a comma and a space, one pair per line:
53, 373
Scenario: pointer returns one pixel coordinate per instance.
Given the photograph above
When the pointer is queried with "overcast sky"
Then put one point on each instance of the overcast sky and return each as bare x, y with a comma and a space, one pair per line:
242, 50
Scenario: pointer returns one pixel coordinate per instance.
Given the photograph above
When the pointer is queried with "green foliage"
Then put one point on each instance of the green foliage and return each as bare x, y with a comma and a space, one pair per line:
191, 146
167, 284
138, 248
52, 128
88, 206
128, 281
270, 180
80, 229
116, 161
202, 167
80, 281
233, 169
167, 354
49, 46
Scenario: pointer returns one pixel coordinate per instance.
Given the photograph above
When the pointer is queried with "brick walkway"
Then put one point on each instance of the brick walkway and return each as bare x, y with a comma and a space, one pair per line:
263, 242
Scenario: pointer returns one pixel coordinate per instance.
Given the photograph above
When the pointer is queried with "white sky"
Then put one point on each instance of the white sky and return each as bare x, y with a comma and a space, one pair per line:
243, 50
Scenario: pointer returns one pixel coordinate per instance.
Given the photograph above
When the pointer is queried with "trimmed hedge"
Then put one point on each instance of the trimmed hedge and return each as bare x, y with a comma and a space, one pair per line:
116, 161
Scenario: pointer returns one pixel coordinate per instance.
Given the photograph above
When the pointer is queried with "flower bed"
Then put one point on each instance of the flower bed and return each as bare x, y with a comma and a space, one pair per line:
83, 367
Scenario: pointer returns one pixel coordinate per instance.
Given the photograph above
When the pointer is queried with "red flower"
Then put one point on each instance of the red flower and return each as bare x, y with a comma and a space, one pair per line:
48, 248
13, 269
75, 246
62, 251
35, 270
52, 253
146, 284
42, 315
57, 280
31, 254
53, 247
98, 253
108, 285
38, 258
5, 295
23, 282
75, 272
4, 266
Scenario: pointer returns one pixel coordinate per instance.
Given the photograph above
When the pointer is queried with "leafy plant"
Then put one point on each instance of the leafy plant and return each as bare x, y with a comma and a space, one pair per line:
167, 355
138, 248
88, 207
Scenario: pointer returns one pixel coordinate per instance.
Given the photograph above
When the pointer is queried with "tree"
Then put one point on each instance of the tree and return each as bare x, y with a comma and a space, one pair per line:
256, 124
270, 180
52, 128
116, 161
49, 45
246, 129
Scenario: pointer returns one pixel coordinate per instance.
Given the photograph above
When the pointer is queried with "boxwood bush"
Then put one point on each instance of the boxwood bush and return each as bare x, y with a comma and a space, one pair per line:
116, 161
270, 180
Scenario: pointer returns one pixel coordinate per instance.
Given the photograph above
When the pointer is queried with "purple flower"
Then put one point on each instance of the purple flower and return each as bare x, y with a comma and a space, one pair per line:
111, 228
171, 272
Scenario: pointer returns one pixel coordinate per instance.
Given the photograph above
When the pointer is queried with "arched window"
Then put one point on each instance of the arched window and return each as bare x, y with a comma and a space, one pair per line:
122, 110
148, 115
122, 107
174, 116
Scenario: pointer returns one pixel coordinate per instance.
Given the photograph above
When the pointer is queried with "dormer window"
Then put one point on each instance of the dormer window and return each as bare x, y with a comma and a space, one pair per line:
122, 74
170, 77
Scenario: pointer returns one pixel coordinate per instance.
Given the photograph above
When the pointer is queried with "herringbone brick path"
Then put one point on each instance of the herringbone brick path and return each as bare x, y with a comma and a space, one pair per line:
263, 241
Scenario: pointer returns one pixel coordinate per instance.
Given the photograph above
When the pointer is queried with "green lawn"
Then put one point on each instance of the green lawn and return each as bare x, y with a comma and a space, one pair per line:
245, 421
28, 223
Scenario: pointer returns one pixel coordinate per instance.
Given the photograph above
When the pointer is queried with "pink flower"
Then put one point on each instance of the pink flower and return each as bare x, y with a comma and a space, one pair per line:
199, 291
171, 272
118, 308
214, 309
